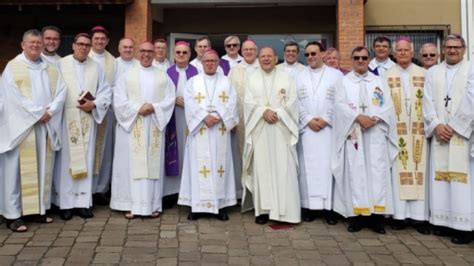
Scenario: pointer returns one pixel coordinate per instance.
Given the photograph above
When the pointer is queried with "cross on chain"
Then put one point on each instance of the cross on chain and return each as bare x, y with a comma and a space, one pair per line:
222, 129
223, 97
363, 107
446, 100
204, 171
201, 130
221, 171
199, 97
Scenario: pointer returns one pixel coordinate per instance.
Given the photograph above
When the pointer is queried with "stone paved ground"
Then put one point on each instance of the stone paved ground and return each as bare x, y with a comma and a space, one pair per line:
173, 240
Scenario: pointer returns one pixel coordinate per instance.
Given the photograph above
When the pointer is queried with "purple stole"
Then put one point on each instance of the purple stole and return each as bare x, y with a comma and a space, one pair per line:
171, 138
224, 64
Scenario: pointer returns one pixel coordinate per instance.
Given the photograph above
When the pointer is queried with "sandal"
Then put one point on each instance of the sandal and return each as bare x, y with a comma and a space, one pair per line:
129, 216
155, 215
42, 219
17, 226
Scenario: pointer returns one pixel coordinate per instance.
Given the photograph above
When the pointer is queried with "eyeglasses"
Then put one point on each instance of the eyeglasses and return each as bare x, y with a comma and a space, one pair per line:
310, 54
82, 44
363, 58
428, 55
181, 52
146, 51
231, 45
453, 47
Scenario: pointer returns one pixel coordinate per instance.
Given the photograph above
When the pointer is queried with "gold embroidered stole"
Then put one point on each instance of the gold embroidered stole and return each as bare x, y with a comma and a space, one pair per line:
211, 177
29, 170
145, 162
78, 122
411, 159
451, 164
110, 69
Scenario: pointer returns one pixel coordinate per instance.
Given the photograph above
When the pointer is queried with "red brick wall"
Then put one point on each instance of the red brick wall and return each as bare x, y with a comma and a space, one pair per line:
138, 21
350, 28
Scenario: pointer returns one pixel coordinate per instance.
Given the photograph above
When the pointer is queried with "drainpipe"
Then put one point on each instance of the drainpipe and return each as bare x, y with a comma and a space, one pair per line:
467, 27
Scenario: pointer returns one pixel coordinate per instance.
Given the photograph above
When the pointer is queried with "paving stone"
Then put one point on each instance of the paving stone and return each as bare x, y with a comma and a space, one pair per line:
384, 259
168, 252
239, 261
357, 257
10, 249
219, 258
214, 249
52, 262
108, 249
167, 262
57, 252
406, 258
107, 258
370, 242
6, 260
64, 242
259, 249
283, 252
31, 253
189, 256
335, 260
261, 260
453, 260
285, 261
430, 260
238, 252
302, 244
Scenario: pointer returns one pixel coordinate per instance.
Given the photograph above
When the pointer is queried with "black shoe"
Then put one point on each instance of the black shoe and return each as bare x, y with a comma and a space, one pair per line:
461, 237
169, 201
192, 216
379, 229
307, 215
398, 224
377, 223
441, 231
65, 214
84, 213
262, 219
423, 228
354, 227
222, 215
330, 217
100, 199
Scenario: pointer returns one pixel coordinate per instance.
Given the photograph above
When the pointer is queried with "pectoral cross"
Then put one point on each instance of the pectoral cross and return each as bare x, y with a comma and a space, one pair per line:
446, 100
363, 107
223, 97
201, 130
221, 171
199, 97
222, 129
204, 171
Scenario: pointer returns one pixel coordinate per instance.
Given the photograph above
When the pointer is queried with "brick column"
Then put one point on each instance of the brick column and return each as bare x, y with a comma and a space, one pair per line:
138, 21
350, 28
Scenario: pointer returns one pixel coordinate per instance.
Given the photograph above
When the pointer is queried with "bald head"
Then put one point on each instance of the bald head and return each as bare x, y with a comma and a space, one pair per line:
404, 52
146, 52
249, 51
126, 49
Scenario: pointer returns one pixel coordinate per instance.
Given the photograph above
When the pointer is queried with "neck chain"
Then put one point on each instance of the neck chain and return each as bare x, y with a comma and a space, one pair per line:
211, 96
268, 91
319, 81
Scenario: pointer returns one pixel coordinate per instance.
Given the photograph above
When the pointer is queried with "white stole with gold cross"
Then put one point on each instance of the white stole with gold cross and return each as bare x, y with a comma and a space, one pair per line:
450, 159
78, 122
411, 160
29, 170
145, 160
211, 177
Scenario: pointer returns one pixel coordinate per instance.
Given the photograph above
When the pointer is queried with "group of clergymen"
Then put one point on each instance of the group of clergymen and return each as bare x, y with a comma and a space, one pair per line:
291, 141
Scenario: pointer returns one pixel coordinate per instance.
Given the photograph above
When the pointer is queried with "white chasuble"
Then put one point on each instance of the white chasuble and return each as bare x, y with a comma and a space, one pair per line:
73, 175
138, 167
208, 182
30, 90
315, 90
362, 160
270, 159
448, 92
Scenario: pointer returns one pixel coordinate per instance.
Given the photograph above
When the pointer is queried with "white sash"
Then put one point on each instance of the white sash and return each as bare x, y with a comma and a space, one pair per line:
411, 160
78, 122
211, 177
145, 162
450, 159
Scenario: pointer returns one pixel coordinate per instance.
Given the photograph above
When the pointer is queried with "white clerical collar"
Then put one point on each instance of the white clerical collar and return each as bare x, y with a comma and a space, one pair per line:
50, 57
318, 69
448, 66
228, 58
290, 65
148, 68
408, 69
269, 73
182, 69
356, 77
32, 64
245, 64
374, 63
94, 54
125, 61
207, 76
79, 62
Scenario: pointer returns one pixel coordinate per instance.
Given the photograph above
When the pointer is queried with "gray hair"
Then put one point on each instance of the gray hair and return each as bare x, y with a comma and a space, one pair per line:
230, 38
428, 44
32, 32
454, 36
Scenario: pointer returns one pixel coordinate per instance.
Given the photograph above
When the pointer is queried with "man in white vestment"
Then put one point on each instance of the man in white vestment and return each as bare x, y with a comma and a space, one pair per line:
126, 59
51, 40
381, 62
143, 103
271, 132
291, 53
75, 167
33, 99
315, 90
232, 47
332, 58
161, 51
105, 131
238, 76
429, 55
410, 187
365, 146
2, 156
177, 131
208, 182
201, 45
448, 116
